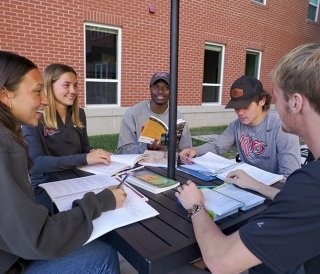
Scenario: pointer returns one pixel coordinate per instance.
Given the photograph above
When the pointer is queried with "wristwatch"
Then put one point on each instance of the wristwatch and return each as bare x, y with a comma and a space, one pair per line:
194, 210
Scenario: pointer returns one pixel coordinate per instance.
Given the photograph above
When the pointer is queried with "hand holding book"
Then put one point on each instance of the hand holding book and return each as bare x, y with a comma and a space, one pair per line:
154, 130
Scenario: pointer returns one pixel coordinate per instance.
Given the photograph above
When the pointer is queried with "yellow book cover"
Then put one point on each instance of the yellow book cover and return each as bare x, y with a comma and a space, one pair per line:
154, 128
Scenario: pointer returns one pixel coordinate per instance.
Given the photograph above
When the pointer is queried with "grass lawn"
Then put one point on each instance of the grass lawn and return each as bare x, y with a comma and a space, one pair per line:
109, 141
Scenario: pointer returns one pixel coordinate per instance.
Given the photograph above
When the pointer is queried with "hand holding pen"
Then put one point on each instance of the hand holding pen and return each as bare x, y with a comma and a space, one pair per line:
119, 194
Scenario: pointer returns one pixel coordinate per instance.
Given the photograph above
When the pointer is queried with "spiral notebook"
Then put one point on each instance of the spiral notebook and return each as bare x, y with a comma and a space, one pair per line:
135, 209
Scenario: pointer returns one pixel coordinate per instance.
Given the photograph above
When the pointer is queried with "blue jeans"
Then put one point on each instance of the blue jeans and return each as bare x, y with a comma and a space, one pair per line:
93, 258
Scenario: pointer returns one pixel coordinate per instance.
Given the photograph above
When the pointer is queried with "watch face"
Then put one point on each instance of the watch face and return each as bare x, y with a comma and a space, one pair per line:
193, 209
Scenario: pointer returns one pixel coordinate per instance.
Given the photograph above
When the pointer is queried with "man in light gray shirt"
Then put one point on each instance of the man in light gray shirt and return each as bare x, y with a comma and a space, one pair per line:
136, 116
257, 132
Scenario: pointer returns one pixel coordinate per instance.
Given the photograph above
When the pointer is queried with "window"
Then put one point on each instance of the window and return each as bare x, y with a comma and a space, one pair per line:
313, 10
102, 65
260, 1
253, 62
212, 73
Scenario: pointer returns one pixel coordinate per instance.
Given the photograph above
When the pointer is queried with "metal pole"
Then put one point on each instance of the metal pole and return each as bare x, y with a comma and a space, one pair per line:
174, 47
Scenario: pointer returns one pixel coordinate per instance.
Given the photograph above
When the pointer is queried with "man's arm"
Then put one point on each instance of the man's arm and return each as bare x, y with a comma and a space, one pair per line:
221, 253
219, 145
242, 179
128, 137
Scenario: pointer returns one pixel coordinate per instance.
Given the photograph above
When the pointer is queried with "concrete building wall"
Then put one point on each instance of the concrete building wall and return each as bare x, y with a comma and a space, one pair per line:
50, 31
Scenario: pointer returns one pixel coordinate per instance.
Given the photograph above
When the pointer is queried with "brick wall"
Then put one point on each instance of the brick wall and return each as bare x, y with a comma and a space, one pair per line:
53, 31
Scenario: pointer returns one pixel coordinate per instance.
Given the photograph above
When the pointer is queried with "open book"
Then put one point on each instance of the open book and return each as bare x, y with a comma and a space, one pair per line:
151, 181
157, 158
135, 209
227, 199
154, 128
219, 166
119, 162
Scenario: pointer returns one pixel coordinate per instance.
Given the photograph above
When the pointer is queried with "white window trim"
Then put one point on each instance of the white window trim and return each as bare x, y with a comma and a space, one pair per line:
263, 3
259, 61
118, 80
221, 77
317, 10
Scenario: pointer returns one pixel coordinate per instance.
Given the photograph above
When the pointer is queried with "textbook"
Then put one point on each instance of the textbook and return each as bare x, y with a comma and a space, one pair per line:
227, 199
135, 209
156, 158
203, 175
154, 128
151, 181
119, 162
220, 167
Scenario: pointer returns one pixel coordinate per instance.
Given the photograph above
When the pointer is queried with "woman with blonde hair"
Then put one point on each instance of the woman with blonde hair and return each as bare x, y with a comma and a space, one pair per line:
60, 143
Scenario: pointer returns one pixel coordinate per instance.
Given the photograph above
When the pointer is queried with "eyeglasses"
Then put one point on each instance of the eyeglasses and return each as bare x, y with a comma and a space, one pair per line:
160, 88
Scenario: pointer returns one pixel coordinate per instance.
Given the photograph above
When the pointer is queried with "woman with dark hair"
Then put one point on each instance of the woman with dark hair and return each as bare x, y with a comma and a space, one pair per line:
60, 142
31, 240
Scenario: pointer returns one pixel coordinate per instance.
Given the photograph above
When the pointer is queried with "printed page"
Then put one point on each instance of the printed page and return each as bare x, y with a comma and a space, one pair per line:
135, 209
155, 158
212, 161
126, 159
247, 199
218, 203
260, 175
64, 192
119, 162
110, 170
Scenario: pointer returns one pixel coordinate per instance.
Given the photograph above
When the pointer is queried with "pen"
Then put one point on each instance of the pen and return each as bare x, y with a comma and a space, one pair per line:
123, 179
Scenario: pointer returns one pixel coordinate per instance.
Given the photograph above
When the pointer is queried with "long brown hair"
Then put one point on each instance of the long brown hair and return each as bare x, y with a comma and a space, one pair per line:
13, 68
51, 74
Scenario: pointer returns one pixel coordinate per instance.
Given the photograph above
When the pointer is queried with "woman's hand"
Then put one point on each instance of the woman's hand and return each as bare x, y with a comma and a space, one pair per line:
120, 196
98, 156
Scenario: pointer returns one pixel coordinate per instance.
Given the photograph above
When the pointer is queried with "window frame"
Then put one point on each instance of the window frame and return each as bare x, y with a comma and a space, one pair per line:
264, 2
317, 11
118, 67
259, 60
221, 75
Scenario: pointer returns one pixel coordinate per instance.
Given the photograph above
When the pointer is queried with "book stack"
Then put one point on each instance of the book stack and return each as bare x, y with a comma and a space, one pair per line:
227, 199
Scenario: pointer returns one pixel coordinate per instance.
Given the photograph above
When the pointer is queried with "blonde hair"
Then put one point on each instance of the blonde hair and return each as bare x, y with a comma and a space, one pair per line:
299, 71
51, 74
